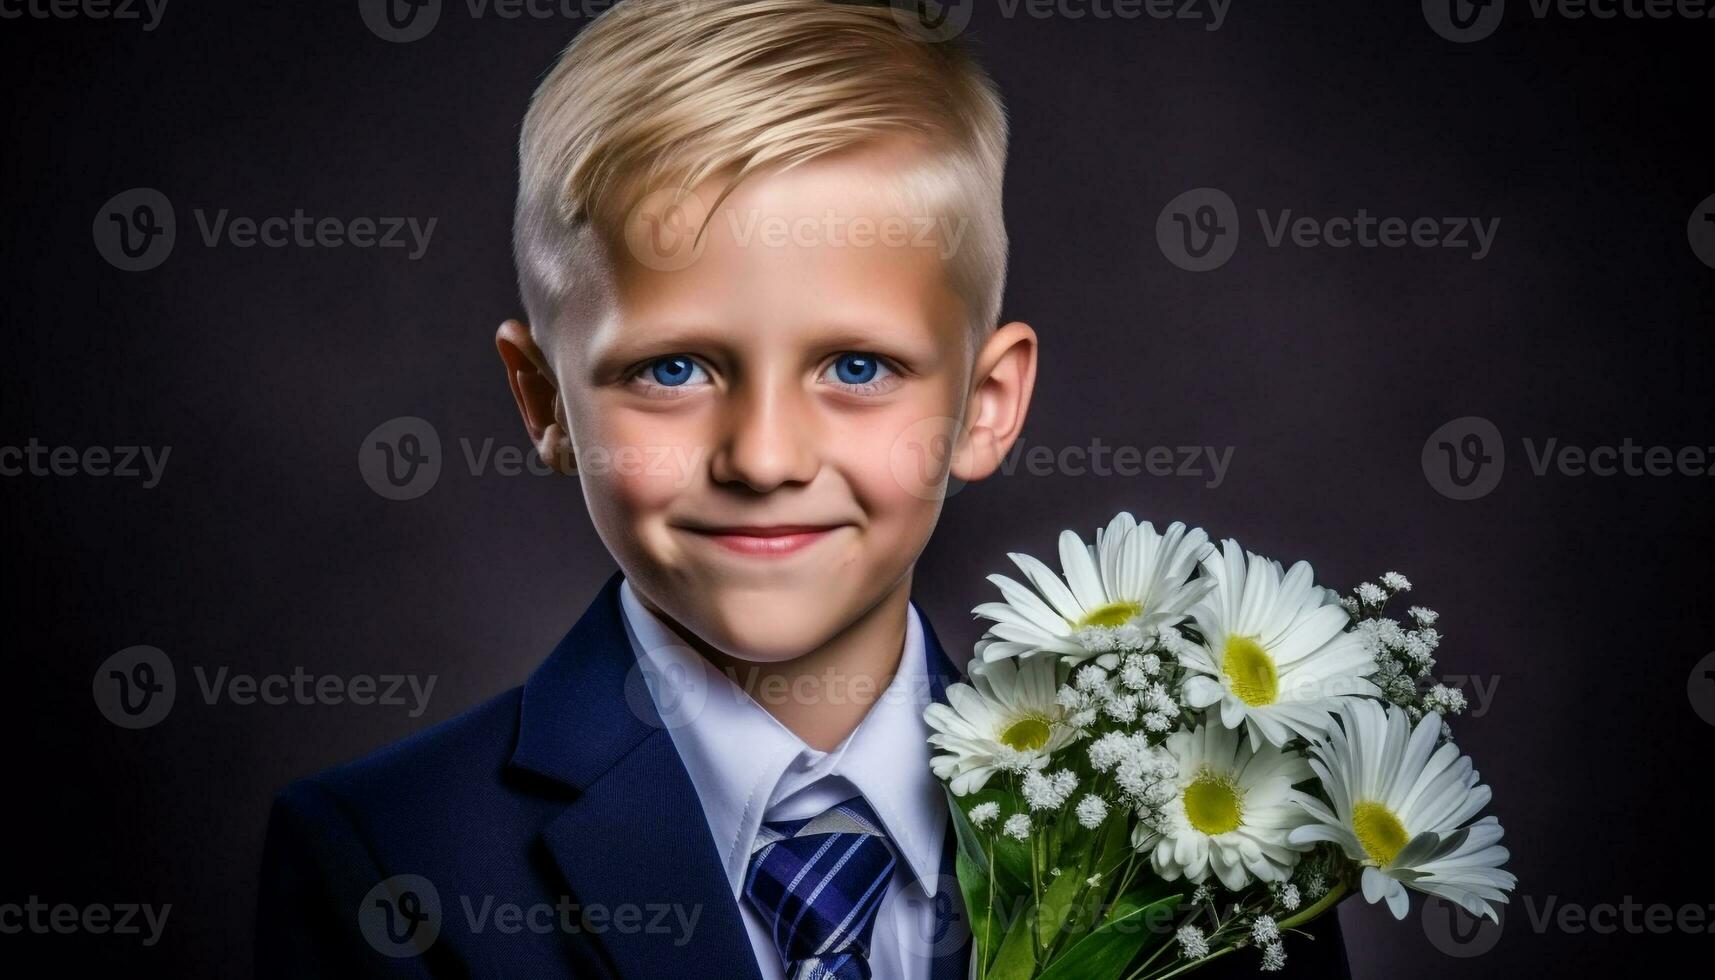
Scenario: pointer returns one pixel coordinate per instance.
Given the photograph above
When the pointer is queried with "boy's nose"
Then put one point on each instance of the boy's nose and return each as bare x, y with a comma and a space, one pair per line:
768, 441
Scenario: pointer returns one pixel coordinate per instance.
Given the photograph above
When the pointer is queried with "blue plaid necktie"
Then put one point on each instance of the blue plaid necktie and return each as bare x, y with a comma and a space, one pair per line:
817, 883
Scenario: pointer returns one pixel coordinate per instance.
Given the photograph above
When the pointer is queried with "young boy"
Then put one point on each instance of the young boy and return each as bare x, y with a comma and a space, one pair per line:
761, 250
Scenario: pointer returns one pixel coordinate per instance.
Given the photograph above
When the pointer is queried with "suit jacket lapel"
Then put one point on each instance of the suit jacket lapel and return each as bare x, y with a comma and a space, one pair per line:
634, 835
949, 901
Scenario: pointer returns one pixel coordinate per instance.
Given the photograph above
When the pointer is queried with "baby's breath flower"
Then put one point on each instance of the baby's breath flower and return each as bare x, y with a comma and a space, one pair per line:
1422, 616
982, 813
1289, 897
1371, 594
1071, 698
1157, 699
1445, 700
1192, 945
1202, 894
1109, 750
1395, 582
1123, 709
1017, 826
1132, 674
1092, 810
1091, 679
1264, 930
1048, 791
1274, 957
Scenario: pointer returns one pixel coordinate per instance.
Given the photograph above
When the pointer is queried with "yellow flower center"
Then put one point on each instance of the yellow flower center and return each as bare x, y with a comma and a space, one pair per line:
1026, 734
1212, 803
1379, 831
1111, 615
1251, 670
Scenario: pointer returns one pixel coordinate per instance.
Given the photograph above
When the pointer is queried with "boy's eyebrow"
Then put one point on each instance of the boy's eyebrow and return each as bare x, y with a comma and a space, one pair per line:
637, 342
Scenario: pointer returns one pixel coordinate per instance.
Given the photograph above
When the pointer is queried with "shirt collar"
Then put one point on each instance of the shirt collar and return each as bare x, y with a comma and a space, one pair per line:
742, 760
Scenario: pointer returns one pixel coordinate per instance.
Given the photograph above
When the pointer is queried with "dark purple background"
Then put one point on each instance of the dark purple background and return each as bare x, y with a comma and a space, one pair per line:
1584, 599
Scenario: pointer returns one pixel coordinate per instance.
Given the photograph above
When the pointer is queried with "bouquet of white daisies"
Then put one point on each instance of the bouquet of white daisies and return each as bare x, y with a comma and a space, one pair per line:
1173, 752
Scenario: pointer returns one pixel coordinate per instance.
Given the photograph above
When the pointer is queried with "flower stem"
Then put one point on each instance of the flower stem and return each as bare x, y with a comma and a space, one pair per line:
1322, 905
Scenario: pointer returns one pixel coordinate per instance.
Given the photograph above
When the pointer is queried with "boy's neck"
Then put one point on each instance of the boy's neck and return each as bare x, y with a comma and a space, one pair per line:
822, 695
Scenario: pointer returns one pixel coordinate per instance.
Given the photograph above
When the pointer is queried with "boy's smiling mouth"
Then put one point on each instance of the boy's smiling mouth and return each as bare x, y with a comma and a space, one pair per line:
763, 540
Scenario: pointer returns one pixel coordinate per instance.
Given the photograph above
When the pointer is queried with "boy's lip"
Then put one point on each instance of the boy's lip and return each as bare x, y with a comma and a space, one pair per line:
764, 540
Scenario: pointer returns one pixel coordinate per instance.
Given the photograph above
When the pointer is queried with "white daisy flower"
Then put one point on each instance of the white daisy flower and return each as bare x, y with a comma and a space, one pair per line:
1231, 812
1276, 657
1007, 718
1400, 809
1116, 593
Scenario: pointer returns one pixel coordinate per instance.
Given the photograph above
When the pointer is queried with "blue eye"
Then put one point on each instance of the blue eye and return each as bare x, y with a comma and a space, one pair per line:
671, 372
857, 369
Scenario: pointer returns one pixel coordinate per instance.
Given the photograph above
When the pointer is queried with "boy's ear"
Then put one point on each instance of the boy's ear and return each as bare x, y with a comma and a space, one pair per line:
537, 395
1003, 378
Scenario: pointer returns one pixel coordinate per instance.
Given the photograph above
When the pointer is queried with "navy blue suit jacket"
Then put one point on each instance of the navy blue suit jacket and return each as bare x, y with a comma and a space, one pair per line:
550, 832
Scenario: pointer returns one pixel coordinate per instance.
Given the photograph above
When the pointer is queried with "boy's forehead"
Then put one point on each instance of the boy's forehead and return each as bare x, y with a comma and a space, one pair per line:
828, 246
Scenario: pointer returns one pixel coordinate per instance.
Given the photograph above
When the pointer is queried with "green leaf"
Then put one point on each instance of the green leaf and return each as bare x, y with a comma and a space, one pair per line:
1012, 864
1106, 953
1015, 960
1011, 857
986, 925
970, 842
1057, 906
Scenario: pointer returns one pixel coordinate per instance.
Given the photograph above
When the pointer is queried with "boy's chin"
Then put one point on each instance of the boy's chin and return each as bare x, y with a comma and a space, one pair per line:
766, 632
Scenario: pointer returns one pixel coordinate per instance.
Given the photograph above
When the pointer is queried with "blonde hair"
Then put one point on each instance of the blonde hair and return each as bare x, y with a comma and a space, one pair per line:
668, 93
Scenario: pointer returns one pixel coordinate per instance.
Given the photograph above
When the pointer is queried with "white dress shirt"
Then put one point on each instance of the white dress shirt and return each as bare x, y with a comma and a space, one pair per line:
749, 768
